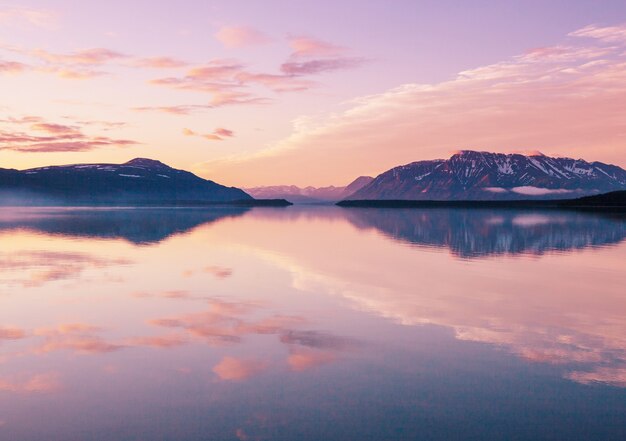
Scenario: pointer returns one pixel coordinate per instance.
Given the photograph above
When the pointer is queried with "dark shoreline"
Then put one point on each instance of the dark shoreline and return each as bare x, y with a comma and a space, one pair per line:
156, 204
614, 201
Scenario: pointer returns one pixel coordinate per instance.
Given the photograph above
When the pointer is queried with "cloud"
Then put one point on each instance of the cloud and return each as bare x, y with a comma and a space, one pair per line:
40, 383
218, 134
312, 47
82, 64
302, 360
615, 376
183, 109
610, 34
51, 137
315, 339
236, 369
566, 97
220, 131
228, 322
11, 67
36, 268
75, 337
241, 36
312, 67
89, 57
32, 17
159, 63
164, 341
9, 333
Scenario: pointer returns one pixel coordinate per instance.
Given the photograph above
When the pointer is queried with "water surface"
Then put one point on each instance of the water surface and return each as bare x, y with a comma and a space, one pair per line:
311, 323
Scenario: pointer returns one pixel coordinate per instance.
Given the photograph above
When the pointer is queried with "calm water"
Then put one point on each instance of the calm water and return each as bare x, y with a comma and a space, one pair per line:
311, 324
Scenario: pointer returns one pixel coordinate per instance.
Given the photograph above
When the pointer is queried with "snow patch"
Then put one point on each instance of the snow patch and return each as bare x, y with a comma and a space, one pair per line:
505, 168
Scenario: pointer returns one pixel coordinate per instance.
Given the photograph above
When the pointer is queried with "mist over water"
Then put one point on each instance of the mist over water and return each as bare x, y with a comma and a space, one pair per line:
311, 323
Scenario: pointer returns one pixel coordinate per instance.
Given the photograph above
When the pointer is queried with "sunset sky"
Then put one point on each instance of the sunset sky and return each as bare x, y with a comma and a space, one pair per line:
309, 93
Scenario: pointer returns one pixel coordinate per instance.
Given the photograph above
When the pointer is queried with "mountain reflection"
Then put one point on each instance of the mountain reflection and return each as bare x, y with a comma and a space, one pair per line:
476, 233
137, 225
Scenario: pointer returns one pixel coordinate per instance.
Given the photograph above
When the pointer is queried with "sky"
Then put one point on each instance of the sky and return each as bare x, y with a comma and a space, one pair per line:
273, 92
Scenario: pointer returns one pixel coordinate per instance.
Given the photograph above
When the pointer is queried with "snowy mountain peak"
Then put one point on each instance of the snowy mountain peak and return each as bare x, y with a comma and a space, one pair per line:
475, 175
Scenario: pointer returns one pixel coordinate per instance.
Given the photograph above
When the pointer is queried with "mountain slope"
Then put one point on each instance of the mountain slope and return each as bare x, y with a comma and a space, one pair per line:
137, 181
471, 175
309, 194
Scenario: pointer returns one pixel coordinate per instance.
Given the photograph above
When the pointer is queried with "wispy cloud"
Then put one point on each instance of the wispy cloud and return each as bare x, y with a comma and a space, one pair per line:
241, 36
217, 135
23, 16
236, 369
10, 333
160, 62
39, 383
12, 67
231, 81
36, 268
312, 47
565, 97
33, 134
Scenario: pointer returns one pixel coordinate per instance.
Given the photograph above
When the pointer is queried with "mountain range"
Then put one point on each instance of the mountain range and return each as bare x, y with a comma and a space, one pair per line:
465, 176
138, 181
309, 194
472, 175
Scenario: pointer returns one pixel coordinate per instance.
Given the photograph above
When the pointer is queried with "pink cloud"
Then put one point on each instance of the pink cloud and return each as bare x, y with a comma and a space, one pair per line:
75, 337
7, 333
311, 47
12, 67
302, 360
55, 138
183, 109
236, 369
18, 16
567, 97
609, 34
218, 135
55, 128
95, 56
220, 131
275, 82
160, 63
166, 341
312, 67
40, 383
241, 36
72, 74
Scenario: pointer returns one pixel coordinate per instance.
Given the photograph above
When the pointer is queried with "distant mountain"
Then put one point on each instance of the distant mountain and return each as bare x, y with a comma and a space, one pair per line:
309, 194
471, 175
140, 181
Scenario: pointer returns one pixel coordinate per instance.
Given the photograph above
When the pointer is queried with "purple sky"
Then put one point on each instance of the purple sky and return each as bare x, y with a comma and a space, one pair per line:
292, 107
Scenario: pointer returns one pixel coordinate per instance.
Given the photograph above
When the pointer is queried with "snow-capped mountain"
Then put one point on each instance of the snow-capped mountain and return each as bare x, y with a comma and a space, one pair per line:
137, 181
309, 194
472, 175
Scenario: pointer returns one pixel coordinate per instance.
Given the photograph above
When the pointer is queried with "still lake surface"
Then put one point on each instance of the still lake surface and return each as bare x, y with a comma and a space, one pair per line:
311, 323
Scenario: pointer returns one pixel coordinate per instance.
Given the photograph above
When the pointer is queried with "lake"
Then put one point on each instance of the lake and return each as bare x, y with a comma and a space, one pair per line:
311, 323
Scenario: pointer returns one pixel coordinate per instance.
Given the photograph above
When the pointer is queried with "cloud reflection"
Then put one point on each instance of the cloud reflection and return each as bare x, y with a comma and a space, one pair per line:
235, 369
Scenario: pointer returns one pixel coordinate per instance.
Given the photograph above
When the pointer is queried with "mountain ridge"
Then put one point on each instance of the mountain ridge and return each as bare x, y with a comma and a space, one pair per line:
474, 175
140, 180
309, 194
